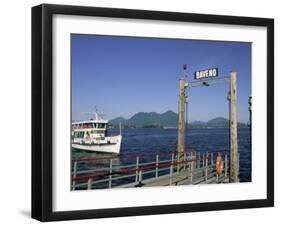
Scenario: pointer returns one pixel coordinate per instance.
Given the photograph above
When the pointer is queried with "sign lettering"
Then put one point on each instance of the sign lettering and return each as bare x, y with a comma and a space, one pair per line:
208, 73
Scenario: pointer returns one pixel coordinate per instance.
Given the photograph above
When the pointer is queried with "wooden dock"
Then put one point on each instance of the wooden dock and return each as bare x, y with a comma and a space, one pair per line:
197, 176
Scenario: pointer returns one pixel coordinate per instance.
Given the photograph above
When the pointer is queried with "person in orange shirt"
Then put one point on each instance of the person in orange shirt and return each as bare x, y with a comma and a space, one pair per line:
219, 165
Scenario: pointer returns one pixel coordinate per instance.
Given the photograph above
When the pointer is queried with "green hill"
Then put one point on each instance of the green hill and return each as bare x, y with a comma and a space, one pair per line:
143, 119
167, 119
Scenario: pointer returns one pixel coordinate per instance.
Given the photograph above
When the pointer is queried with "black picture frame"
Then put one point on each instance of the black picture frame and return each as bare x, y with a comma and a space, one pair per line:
42, 111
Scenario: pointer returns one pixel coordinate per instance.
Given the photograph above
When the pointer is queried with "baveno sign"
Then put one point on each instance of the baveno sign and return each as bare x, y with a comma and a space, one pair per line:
208, 73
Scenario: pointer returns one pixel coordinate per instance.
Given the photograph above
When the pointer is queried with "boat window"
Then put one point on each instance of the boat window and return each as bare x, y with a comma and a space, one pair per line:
101, 125
76, 134
88, 125
97, 131
81, 134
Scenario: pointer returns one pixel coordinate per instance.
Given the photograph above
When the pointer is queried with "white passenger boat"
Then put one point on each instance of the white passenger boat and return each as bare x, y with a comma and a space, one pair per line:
92, 135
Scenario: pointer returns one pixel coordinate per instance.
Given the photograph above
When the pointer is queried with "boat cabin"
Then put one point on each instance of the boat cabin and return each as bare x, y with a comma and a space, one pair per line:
89, 129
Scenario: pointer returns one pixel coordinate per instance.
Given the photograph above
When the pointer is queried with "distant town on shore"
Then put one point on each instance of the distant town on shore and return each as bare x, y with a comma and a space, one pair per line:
167, 119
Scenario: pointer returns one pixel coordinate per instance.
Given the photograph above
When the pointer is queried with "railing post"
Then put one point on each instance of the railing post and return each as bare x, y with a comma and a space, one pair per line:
184, 161
171, 174
90, 183
198, 160
110, 174
238, 163
206, 175
203, 159
212, 167
192, 159
188, 161
140, 176
226, 165
137, 166
74, 175
178, 164
157, 163
172, 160
206, 167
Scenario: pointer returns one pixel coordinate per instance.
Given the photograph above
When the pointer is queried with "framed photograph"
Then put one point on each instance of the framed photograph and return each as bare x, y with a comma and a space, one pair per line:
145, 112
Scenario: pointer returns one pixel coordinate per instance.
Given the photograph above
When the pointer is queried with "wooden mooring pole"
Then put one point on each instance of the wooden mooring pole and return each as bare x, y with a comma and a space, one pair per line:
181, 119
234, 159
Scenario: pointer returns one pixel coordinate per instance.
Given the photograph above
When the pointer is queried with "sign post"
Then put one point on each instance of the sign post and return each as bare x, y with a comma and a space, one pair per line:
234, 159
181, 119
206, 78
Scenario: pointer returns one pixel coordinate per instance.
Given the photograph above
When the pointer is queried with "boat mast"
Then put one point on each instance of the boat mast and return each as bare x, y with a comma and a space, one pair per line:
120, 130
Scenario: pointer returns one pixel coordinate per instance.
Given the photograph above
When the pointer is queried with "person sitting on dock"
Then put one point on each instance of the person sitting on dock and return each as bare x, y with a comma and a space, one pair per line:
219, 165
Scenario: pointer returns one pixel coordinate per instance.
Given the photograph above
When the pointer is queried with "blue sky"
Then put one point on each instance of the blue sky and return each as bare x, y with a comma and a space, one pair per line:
125, 75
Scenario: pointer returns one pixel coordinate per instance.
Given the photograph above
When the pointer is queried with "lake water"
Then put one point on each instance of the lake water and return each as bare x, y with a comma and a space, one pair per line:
152, 140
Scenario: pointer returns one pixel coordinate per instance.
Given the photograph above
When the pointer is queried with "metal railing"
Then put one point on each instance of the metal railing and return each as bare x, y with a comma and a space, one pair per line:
140, 168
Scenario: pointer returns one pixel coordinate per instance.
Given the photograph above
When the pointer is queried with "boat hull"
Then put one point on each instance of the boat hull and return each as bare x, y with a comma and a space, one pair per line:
103, 147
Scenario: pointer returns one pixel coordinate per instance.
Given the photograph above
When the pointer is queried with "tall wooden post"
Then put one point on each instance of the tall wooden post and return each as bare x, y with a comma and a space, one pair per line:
250, 111
181, 119
250, 124
234, 159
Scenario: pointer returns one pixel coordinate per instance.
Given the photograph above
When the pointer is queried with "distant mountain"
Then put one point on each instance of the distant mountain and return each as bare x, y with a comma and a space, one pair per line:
218, 122
167, 119
118, 120
198, 123
148, 119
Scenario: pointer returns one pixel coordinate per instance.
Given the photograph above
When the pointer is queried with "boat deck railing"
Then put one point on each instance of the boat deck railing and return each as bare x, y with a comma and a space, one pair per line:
145, 169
